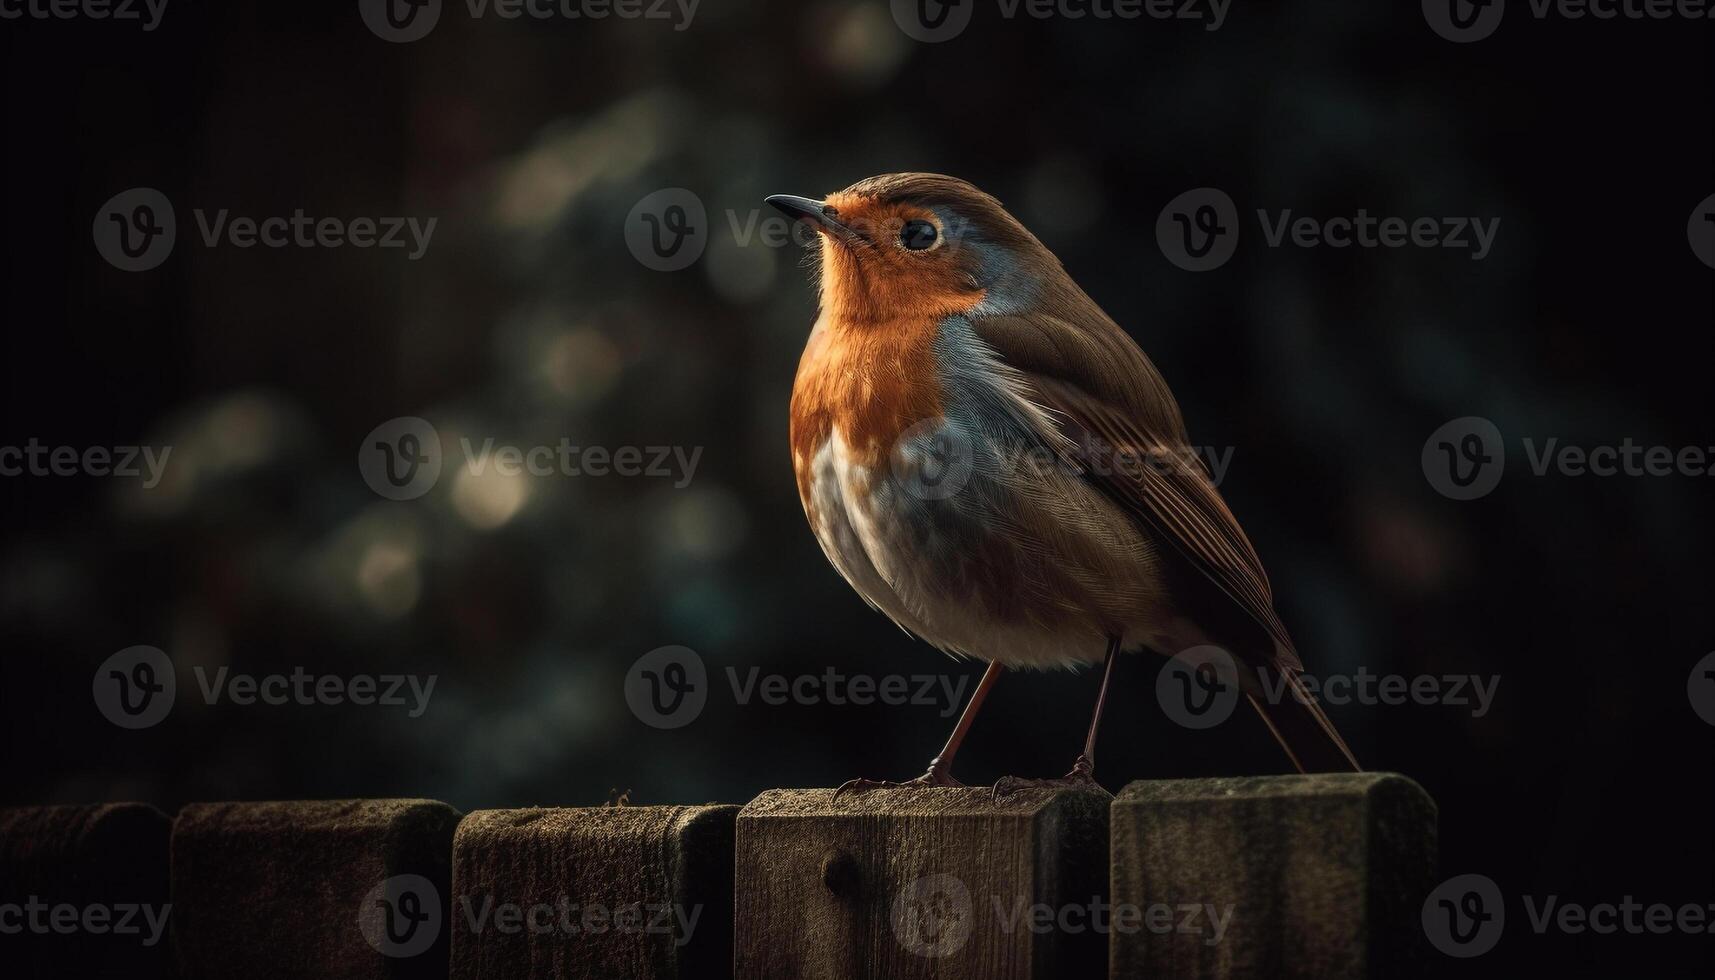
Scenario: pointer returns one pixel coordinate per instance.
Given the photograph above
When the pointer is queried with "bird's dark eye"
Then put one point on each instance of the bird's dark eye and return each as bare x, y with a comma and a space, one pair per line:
917, 235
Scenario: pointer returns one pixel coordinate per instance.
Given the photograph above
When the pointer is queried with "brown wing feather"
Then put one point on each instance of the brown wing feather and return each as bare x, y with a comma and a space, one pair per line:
1128, 438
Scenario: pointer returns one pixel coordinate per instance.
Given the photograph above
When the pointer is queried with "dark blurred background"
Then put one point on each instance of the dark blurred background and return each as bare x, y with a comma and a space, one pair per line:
528, 319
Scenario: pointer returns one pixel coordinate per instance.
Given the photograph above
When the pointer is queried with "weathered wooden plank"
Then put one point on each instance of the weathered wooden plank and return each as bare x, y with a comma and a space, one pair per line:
910, 883
84, 892
643, 893
1316, 876
352, 889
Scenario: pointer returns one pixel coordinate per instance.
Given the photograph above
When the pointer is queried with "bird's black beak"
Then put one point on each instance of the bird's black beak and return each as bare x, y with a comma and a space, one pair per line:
816, 214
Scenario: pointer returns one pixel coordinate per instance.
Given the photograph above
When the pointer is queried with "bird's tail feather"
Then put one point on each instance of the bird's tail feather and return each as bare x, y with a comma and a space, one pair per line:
1301, 727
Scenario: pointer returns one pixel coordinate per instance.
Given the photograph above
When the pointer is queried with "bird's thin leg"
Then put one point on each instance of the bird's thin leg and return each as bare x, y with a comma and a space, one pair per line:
1083, 774
1086, 764
941, 767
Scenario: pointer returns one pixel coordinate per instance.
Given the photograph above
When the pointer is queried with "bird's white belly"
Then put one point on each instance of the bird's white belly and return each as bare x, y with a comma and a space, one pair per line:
985, 558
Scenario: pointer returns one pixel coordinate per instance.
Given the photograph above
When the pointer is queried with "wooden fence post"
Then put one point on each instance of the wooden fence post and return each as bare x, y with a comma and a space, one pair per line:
641, 893
1283, 876
351, 889
83, 892
909, 883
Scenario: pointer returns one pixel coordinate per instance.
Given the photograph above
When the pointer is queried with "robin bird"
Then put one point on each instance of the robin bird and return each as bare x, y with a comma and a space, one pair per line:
989, 460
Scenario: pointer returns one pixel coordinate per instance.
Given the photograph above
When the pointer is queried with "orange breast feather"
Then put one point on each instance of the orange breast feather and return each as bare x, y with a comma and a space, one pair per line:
869, 383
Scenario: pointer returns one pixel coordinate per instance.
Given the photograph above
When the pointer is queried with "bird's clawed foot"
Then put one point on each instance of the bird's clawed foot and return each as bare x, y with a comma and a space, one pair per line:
1082, 777
936, 776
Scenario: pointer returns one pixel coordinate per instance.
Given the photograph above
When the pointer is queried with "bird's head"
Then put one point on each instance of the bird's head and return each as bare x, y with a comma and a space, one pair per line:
919, 245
